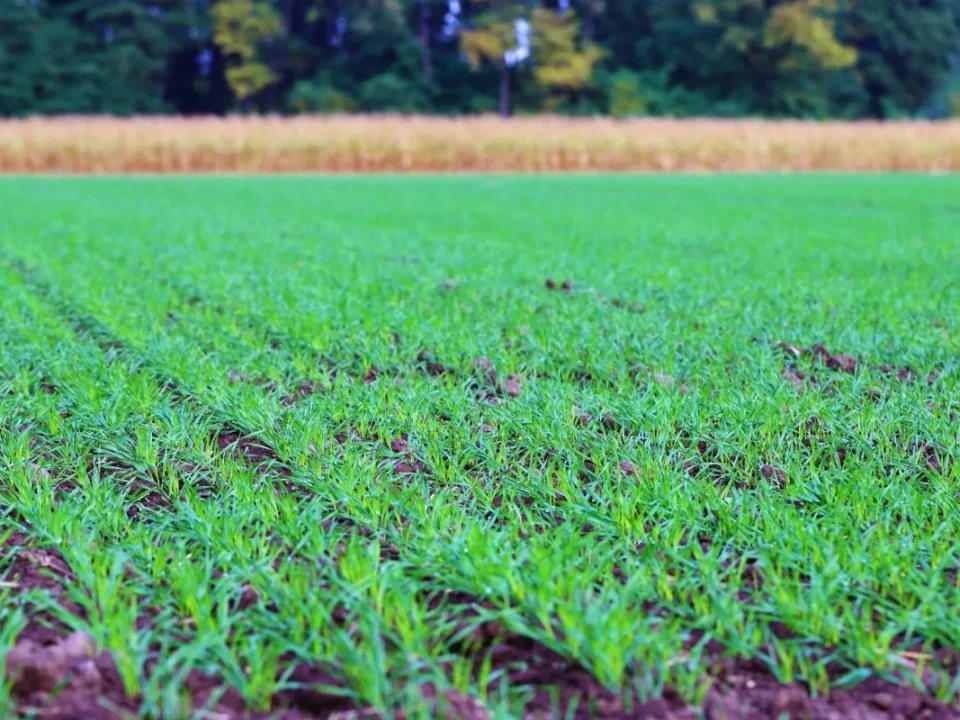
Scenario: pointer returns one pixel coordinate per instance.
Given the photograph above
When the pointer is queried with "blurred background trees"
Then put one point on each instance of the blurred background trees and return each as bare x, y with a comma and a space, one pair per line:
777, 58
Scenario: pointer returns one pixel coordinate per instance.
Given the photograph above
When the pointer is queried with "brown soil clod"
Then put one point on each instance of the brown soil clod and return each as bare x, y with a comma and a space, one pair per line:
611, 423
620, 303
66, 678
487, 389
247, 448
32, 567
309, 694
38, 668
929, 454
431, 366
796, 379
453, 704
484, 363
663, 379
584, 418
843, 362
513, 386
775, 474
842, 456
409, 468
550, 284
408, 463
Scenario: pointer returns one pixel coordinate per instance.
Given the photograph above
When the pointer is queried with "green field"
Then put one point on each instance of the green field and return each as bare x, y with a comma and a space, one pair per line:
287, 447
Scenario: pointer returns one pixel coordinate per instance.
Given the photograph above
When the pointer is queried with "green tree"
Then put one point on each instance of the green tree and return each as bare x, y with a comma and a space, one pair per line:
131, 42
903, 51
592, 9
809, 58
626, 95
43, 64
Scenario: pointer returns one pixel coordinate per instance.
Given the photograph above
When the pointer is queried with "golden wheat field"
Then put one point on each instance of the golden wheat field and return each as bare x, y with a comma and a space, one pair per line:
478, 144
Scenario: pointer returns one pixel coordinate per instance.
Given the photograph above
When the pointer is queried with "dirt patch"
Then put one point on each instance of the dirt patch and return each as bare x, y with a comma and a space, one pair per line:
27, 568
798, 379
32, 568
742, 689
70, 678
803, 378
628, 305
908, 375
407, 463
53, 673
249, 449
67, 678
311, 693
143, 491
606, 423
301, 391
430, 366
773, 474
144, 494
568, 285
746, 689
929, 456
817, 354
488, 387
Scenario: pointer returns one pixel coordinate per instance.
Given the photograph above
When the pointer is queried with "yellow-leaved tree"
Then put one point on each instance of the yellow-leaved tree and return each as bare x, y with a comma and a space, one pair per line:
508, 34
787, 48
562, 65
489, 37
797, 30
804, 24
240, 30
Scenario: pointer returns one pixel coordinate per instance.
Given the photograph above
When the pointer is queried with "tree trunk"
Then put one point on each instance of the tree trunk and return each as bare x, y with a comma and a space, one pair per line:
505, 91
588, 22
425, 62
278, 54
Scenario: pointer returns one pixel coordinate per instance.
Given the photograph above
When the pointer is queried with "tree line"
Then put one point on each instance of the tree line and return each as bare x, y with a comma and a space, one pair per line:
775, 58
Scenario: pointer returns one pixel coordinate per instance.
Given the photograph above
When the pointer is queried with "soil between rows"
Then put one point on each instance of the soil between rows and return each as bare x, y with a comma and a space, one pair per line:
54, 673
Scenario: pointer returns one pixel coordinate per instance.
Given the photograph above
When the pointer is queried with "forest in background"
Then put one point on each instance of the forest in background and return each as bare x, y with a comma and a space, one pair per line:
843, 59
